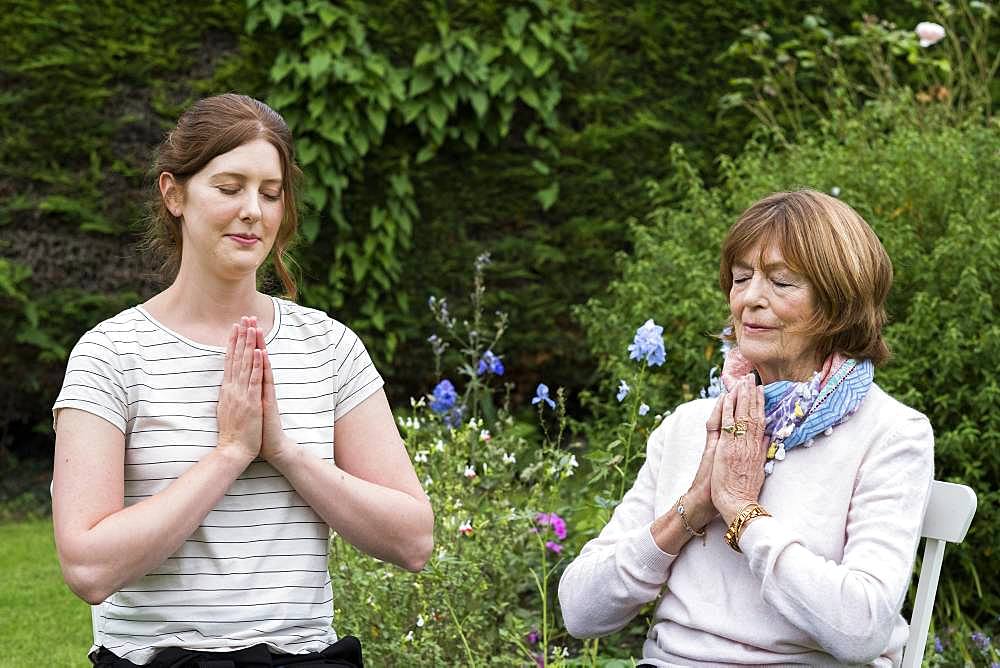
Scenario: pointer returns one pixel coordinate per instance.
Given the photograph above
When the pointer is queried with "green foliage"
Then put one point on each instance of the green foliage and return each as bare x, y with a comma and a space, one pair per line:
922, 189
346, 87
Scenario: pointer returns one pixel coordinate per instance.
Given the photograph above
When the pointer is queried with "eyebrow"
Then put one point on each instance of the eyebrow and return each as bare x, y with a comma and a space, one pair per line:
738, 264
241, 177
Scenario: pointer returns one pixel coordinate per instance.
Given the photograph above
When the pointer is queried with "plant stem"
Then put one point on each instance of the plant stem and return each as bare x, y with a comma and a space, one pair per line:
461, 633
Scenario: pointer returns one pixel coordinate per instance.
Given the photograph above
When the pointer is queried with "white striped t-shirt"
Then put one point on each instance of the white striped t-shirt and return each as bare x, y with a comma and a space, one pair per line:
255, 571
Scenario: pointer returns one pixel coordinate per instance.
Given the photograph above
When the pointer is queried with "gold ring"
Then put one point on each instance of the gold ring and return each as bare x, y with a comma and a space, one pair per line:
729, 428
740, 428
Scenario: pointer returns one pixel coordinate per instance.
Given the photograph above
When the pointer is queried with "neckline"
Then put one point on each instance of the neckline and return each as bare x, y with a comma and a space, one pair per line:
275, 324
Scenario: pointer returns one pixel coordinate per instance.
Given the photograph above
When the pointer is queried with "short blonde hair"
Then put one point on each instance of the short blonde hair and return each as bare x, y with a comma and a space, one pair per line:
828, 243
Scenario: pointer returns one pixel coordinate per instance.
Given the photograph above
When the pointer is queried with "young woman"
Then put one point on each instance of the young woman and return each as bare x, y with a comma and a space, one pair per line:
209, 439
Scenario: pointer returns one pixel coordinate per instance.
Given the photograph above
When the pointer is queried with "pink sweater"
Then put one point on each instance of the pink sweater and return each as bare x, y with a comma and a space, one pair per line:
820, 582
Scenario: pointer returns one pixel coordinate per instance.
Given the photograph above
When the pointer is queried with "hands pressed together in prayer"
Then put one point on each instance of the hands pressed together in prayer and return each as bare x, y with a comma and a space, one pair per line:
731, 471
248, 418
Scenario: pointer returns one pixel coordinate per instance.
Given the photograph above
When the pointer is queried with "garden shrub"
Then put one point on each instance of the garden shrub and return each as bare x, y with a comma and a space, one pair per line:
928, 188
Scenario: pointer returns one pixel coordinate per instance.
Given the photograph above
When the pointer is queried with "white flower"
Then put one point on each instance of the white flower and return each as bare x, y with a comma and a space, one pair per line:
439, 445
484, 435
929, 33
470, 471
509, 458
420, 620
408, 637
643, 408
572, 462
421, 456
428, 481
465, 528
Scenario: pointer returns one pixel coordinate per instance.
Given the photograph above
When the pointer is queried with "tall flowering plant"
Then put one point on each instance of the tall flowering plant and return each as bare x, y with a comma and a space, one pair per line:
486, 597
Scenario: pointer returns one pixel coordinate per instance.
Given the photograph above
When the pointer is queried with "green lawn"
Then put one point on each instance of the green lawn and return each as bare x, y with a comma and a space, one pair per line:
43, 623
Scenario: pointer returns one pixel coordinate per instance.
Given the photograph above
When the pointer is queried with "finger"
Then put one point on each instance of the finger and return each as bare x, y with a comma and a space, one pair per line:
714, 425
260, 338
728, 405
246, 363
268, 378
227, 372
740, 411
256, 371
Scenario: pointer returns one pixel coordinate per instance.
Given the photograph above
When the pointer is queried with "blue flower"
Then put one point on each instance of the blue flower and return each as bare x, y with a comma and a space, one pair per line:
938, 647
444, 397
490, 364
542, 394
982, 640
643, 409
623, 389
648, 344
714, 387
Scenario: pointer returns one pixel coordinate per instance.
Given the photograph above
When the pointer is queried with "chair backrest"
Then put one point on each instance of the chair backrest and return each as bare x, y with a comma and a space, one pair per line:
949, 514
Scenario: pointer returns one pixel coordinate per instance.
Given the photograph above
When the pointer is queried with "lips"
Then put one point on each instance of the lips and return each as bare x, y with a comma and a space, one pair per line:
753, 327
244, 239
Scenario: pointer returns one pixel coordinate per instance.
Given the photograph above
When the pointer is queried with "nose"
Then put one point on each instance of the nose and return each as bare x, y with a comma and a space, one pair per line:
250, 211
756, 292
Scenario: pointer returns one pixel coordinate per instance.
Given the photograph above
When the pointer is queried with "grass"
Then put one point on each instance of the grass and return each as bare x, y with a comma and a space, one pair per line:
43, 623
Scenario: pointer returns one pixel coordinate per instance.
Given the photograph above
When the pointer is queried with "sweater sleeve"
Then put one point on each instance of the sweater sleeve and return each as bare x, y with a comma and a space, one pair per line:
623, 568
850, 607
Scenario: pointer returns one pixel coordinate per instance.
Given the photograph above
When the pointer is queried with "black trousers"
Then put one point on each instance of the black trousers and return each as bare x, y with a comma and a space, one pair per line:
345, 653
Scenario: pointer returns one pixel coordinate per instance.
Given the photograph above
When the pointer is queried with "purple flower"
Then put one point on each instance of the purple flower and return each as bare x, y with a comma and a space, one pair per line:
553, 520
553, 546
938, 646
490, 363
542, 394
982, 640
648, 344
533, 637
443, 397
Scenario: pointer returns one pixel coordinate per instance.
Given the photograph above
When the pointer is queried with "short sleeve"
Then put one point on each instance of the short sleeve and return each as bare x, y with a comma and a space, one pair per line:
356, 377
94, 382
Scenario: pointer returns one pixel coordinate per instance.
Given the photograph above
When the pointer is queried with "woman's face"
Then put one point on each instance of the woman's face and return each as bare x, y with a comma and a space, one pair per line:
232, 210
770, 304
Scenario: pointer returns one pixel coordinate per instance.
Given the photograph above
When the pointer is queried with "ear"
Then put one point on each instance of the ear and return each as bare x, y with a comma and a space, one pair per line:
172, 193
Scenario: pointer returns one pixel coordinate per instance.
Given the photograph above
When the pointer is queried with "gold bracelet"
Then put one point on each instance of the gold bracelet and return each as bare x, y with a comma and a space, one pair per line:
735, 530
687, 525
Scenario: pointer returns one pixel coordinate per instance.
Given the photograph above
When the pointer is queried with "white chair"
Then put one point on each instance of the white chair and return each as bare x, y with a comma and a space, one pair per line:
949, 514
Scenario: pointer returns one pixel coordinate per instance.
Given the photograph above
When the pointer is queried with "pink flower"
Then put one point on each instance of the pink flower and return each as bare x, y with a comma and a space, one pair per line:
929, 33
557, 523
470, 471
465, 528
554, 546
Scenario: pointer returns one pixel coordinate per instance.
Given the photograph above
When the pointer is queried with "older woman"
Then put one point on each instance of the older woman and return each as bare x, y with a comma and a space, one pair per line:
771, 552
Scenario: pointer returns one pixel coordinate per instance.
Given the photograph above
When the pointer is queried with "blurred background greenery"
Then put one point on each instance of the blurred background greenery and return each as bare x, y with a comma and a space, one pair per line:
597, 150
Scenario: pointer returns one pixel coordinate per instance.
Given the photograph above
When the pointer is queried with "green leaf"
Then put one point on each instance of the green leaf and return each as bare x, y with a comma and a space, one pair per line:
328, 14
420, 83
310, 227
425, 154
530, 97
411, 109
454, 60
542, 34
480, 102
319, 63
377, 118
498, 80
529, 56
541, 167
548, 196
437, 113
517, 19
274, 9
425, 54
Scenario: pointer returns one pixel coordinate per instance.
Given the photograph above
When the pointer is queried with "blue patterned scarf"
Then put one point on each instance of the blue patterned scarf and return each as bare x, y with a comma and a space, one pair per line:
795, 413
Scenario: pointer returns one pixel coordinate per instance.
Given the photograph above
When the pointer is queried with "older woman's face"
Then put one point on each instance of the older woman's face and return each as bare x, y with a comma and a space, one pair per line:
770, 305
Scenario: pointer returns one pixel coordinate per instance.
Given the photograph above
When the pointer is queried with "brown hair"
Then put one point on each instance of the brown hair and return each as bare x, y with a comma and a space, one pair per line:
210, 127
828, 243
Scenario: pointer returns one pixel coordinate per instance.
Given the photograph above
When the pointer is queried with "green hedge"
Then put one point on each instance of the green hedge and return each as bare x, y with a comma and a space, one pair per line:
928, 190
